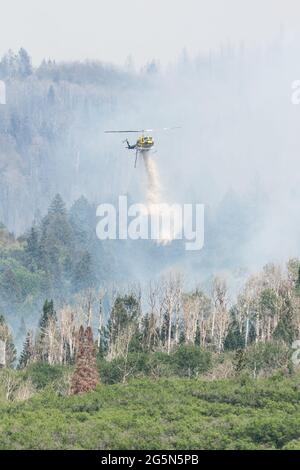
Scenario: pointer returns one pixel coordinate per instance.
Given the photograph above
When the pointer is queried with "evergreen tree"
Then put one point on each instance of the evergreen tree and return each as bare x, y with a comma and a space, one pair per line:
56, 241
27, 354
10, 289
32, 249
48, 314
9, 66
125, 311
198, 335
24, 62
85, 377
57, 206
234, 339
83, 275
82, 220
285, 329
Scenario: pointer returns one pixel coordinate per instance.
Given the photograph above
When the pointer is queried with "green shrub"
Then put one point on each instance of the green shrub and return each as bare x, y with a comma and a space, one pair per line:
292, 445
267, 357
186, 361
190, 361
42, 374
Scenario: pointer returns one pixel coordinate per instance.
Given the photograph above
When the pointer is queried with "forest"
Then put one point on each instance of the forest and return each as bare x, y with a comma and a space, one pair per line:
51, 269
122, 344
142, 366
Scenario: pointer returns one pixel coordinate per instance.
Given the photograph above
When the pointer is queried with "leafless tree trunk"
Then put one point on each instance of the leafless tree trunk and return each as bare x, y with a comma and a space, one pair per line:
220, 314
100, 316
172, 290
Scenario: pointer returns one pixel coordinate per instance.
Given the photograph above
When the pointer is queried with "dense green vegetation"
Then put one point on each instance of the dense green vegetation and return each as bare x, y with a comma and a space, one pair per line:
169, 413
55, 258
169, 368
188, 399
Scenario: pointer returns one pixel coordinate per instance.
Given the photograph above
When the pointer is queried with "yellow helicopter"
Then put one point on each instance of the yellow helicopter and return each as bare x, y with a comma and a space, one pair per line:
144, 143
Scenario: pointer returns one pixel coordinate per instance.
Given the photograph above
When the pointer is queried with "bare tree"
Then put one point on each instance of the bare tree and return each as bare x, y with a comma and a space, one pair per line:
196, 316
153, 327
219, 321
171, 292
100, 297
10, 382
68, 326
85, 301
85, 377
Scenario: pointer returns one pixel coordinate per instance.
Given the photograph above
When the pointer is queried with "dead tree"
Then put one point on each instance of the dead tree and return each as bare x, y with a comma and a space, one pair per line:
86, 376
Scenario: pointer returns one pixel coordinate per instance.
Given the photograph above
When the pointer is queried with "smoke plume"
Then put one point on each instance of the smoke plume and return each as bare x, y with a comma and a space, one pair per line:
156, 205
154, 187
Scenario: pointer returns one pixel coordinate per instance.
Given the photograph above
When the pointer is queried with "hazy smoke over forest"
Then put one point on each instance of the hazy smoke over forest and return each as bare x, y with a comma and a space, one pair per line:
237, 150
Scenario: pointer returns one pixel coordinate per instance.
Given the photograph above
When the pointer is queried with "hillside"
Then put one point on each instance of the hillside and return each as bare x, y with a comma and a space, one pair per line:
150, 232
164, 414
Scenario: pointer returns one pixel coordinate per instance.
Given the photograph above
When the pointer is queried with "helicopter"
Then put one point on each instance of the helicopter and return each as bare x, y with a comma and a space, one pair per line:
144, 142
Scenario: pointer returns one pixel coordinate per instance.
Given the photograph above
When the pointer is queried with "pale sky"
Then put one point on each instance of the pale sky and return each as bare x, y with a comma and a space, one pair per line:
110, 30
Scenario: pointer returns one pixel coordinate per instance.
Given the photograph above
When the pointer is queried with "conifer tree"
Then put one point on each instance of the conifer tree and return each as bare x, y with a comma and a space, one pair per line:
24, 63
234, 339
83, 276
48, 313
32, 249
285, 329
27, 354
56, 241
85, 377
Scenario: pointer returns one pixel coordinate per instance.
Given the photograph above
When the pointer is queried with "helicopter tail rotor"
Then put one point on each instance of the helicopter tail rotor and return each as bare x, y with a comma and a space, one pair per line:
126, 142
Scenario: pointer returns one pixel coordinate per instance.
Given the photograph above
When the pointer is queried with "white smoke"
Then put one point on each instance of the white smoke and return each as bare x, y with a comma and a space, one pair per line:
154, 187
156, 204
